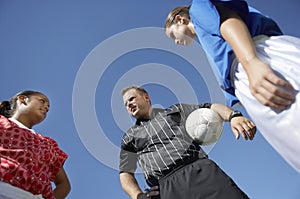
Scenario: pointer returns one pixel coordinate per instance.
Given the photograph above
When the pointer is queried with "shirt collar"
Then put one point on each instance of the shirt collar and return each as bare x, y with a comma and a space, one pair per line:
154, 112
20, 124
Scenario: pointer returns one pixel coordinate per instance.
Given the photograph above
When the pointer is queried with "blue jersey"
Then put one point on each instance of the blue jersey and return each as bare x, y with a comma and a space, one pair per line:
206, 20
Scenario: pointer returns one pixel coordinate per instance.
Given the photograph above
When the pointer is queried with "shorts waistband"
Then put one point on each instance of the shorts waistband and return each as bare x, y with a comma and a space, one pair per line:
183, 163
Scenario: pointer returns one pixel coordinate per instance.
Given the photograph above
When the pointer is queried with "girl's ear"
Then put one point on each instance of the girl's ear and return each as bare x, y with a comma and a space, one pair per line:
181, 19
22, 99
178, 18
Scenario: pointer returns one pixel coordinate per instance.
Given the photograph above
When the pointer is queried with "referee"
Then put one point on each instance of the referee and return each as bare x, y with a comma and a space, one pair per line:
174, 166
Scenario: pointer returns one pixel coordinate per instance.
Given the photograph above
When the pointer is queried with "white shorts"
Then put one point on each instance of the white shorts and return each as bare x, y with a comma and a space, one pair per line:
280, 128
10, 192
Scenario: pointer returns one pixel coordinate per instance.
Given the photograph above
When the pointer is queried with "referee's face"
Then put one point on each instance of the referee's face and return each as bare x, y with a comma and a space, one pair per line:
137, 104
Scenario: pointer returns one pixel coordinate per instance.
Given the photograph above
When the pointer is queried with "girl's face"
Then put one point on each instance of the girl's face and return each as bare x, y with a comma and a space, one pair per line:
181, 32
37, 106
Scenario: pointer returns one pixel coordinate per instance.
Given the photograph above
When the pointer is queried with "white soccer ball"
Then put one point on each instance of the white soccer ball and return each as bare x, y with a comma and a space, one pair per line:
205, 126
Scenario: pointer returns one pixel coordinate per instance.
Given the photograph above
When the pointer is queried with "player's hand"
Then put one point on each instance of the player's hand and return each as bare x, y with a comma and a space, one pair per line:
149, 193
269, 89
243, 126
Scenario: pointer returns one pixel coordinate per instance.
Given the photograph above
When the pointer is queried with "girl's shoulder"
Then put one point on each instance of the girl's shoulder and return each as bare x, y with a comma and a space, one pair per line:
5, 122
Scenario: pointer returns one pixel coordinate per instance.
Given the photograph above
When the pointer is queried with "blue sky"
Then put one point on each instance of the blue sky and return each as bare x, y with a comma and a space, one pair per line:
82, 52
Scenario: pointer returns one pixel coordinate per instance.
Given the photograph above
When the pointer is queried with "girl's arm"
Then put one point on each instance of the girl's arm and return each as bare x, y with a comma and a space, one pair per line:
264, 84
62, 185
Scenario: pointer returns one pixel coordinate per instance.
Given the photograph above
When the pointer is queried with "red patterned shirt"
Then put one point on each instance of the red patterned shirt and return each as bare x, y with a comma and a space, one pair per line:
28, 160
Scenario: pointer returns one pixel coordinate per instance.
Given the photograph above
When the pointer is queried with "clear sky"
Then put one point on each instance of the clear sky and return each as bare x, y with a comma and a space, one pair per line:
82, 52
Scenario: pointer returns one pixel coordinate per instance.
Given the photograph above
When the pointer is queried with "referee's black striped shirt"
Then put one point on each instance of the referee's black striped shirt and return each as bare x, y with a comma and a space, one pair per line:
160, 143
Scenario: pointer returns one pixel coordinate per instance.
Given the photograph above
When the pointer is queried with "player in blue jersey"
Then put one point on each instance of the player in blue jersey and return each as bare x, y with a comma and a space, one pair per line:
256, 65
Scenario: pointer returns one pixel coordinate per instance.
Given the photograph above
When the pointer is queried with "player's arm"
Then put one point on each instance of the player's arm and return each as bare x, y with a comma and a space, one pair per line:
130, 185
264, 84
240, 125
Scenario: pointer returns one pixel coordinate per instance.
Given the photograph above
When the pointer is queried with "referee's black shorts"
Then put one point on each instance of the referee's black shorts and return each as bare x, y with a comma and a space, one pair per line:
201, 179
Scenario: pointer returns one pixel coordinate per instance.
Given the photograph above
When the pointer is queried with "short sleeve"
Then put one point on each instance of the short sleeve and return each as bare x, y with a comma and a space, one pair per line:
58, 158
128, 156
204, 14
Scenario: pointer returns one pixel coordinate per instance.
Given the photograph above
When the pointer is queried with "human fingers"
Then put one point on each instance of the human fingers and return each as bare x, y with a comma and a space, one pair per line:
242, 132
282, 91
269, 95
237, 127
244, 127
153, 191
236, 133
142, 196
274, 79
281, 88
271, 90
250, 129
146, 195
154, 188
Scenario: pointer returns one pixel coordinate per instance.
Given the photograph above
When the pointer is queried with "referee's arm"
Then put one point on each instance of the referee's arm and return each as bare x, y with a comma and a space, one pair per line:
130, 185
240, 125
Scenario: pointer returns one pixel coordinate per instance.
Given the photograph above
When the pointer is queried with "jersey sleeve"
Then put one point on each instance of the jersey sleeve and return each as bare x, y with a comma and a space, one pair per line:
128, 156
58, 158
205, 15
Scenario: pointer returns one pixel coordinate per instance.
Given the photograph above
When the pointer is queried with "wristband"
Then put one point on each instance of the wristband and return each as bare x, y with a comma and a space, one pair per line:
234, 114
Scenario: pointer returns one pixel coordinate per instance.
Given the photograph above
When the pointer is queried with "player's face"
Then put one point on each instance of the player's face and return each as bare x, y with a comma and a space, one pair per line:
137, 104
180, 33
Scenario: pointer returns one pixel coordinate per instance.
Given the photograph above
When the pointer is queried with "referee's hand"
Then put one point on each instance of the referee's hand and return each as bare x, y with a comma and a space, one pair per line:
149, 193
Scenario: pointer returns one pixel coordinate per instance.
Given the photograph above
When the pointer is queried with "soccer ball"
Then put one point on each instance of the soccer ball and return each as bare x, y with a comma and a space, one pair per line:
205, 126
